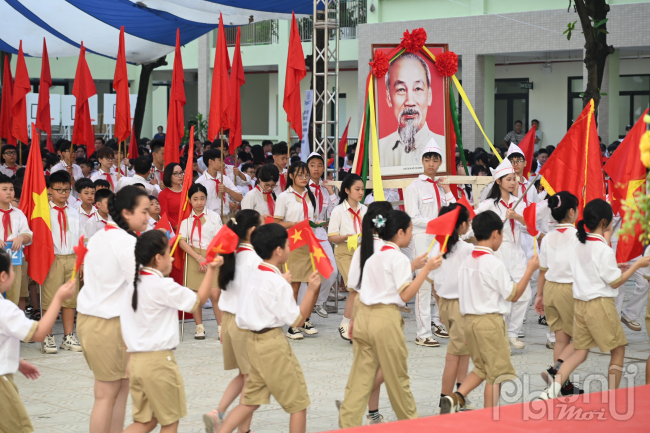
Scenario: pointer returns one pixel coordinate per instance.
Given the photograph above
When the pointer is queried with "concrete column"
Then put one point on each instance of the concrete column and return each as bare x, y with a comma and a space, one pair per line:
474, 85
147, 122
284, 27
488, 102
613, 72
204, 74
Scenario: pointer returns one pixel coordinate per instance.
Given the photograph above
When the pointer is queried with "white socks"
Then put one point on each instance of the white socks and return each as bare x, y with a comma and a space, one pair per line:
345, 321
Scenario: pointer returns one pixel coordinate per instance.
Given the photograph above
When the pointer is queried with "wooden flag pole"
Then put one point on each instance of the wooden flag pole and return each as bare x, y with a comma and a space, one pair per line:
442, 250
119, 158
20, 151
288, 143
431, 246
222, 170
313, 265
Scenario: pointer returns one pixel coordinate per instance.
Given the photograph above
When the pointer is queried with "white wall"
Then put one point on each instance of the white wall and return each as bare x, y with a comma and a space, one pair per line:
159, 110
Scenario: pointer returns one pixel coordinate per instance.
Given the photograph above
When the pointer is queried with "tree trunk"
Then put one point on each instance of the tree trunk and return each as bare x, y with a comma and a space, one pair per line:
145, 75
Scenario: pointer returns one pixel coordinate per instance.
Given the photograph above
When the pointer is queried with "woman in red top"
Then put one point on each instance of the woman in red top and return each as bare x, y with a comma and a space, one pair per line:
170, 197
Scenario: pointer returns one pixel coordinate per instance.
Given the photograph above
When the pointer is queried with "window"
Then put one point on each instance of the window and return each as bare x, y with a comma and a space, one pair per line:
633, 99
574, 107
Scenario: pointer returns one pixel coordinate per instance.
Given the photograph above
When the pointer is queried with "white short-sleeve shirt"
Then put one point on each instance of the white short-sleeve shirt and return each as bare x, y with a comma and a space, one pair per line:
385, 275
289, 206
342, 221
594, 268
100, 174
257, 200
14, 328
210, 183
65, 238
210, 223
154, 325
95, 224
556, 253
246, 262
62, 165
445, 278
355, 266
17, 225
266, 301
124, 181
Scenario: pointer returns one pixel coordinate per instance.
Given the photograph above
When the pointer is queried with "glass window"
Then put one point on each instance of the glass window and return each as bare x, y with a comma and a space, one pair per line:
576, 85
635, 83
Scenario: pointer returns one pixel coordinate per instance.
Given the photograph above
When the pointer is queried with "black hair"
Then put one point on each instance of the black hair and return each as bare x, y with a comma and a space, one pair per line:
81, 160
367, 230
244, 220
244, 156
266, 238
147, 247
142, 165
396, 220
126, 198
246, 166
347, 183
595, 212
156, 144
518, 121
280, 148
82, 184
268, 173
153, 197
60, 176
5, 179
168, 172
463, 216
105, 152
266, 142
495, 191
101, 182
63, 145
431, 155
295, 169
103, 194
485, 223
561, 203
476, 169
211, 154
196, 187
258, 153
513, 154
542, 150
5, 262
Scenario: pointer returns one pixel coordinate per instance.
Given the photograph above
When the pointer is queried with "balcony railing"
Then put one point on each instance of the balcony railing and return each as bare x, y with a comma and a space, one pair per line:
260, 33
352, 13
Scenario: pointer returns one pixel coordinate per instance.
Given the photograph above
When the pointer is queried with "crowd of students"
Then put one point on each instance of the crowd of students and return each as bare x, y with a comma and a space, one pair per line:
127, 325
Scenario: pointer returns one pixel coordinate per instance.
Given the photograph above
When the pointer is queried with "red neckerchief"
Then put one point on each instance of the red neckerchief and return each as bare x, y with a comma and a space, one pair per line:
562, 230
14, 168
217, 187
319, 195
512, 222
269, 200
145, 273
593, 238
244, 248
523, 186
63, 223
6, 221
388, 247
110, 227
305, 209
400, 193
479, 253
197, 222
266, 268
435, 188
109, 178
283, 182
47, 172
356, 219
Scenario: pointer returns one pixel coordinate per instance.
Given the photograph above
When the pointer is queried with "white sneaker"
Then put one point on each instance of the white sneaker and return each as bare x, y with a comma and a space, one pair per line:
468, 405
427, 342
294, 334
515, 343
521, 334
70, 343
207, 305
199, 334
318, 309
632, 324
553, 391
49, 345
374, 421
308, 328
344, 331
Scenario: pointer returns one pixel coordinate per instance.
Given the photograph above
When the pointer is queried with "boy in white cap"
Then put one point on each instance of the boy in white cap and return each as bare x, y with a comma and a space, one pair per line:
423, 200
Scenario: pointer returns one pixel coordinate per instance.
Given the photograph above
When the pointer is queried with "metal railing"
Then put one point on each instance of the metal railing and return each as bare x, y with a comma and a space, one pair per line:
352, 13
260, 33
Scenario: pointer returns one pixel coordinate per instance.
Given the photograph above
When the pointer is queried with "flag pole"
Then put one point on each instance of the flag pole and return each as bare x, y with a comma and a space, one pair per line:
431, 246
313, 265
119, 158
442, 250
20, 151
222, 170
521, 197
288, 143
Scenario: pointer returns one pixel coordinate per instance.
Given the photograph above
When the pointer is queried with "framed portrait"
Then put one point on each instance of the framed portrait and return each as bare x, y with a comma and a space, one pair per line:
411, 111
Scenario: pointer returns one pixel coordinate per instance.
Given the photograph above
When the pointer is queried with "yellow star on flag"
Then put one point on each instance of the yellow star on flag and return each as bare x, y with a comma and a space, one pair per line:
318, 254
41, 207
218, 249
296, 236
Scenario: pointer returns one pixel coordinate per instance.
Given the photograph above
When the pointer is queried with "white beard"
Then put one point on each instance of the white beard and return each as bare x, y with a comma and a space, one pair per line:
407, 134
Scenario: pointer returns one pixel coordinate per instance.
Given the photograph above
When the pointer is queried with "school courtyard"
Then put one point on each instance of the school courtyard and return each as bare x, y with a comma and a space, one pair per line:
62, 398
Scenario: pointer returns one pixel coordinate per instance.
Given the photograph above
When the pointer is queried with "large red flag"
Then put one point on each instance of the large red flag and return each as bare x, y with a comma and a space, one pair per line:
35, 205
627, 175
343, 143
121, 86
83, 88
296, 71
43, 118
527, 145
19, 105
175, 116
237, 79
133, 145
219, 114
6, 111
575, 164
185, 208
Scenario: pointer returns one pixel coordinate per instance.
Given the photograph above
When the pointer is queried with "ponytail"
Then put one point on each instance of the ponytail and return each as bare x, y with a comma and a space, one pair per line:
243, 221
561, 203
147, 247
367, 228
596, 212
463, 216
582, 233
127, 198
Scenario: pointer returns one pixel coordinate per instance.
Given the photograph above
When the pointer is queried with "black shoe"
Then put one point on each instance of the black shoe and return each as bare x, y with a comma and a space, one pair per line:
542, 320
549, 375
29, 310
571, 389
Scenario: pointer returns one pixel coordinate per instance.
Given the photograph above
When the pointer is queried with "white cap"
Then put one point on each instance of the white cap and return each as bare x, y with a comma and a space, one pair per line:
315, 155
504, 169
432, 146
514, 149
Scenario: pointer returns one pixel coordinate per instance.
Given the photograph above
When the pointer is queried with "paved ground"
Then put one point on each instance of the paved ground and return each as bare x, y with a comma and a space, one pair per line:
61, 400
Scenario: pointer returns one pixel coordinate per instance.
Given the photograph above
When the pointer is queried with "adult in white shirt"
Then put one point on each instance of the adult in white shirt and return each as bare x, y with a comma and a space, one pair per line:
142, 166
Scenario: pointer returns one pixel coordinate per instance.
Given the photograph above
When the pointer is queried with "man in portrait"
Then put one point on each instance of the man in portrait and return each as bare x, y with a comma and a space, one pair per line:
408, 93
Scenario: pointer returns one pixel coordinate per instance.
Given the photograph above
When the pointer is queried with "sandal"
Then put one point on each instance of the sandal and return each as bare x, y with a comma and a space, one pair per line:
36, 315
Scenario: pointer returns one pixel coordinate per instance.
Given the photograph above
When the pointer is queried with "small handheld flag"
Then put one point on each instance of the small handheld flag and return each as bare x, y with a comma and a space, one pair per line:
443, 226
298, 235
225, 242
80, 250
530, 217
319, 259
163, 223
463, 201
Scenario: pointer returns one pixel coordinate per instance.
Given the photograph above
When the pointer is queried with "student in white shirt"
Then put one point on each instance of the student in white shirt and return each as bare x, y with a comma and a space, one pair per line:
154, 217
196, 232
63, 150
158, 156
596, 279
262, 198
66, 231
219, 194
555, 291
14, 328
14, 229
444, 282
377, 327
233, 276
264, 305
86, 191
106, 156
142, 166
486, 292
101, 217
280, 153
9, 157
423, 200
149, 322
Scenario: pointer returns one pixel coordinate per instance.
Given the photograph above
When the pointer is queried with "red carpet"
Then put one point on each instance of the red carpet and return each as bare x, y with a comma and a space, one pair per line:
595, 412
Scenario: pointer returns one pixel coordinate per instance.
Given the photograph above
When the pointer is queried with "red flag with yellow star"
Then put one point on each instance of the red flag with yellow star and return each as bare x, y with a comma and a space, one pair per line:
298, 235
35, 205
225, 242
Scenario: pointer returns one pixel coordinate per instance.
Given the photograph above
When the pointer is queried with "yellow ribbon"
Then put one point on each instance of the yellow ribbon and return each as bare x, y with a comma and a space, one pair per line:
353, 242
377, 184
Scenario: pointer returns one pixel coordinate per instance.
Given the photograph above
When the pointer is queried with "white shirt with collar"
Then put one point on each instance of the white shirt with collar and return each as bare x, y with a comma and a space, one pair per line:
556, 252
125, 171
17, 225
278, 186
390, 194
484, 284
342, 221
64, 241
385, 275
85, 216
151, 223
246, 262
101, 174
210, 183
95, 224
158, 174
355, 266
14, 328
109, 268
266, 301
594, 269
190, 232
330, 201
153, 190
531, 195
62, 165
257, 200
289, 206
7, 171
154, 325
421, 203
445, 278
241, 184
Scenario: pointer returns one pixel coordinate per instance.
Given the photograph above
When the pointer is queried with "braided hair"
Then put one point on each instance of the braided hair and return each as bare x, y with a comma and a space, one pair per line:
147, 247
126, 199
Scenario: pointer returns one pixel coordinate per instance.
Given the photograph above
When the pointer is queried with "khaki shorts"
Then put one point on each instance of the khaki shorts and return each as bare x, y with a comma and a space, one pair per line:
157, 388
558, 306
299, 264
13, 294
343, 259
454, 322
103, 347
597, 323
487, 341
194, 278
234, 341
60, 272
13, 415
24, 280
274, 371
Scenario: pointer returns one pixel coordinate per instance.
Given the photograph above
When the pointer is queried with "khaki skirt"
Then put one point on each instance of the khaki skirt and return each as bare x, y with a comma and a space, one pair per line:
194, 278
103, 347
299, 264
343, 259
234, 341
